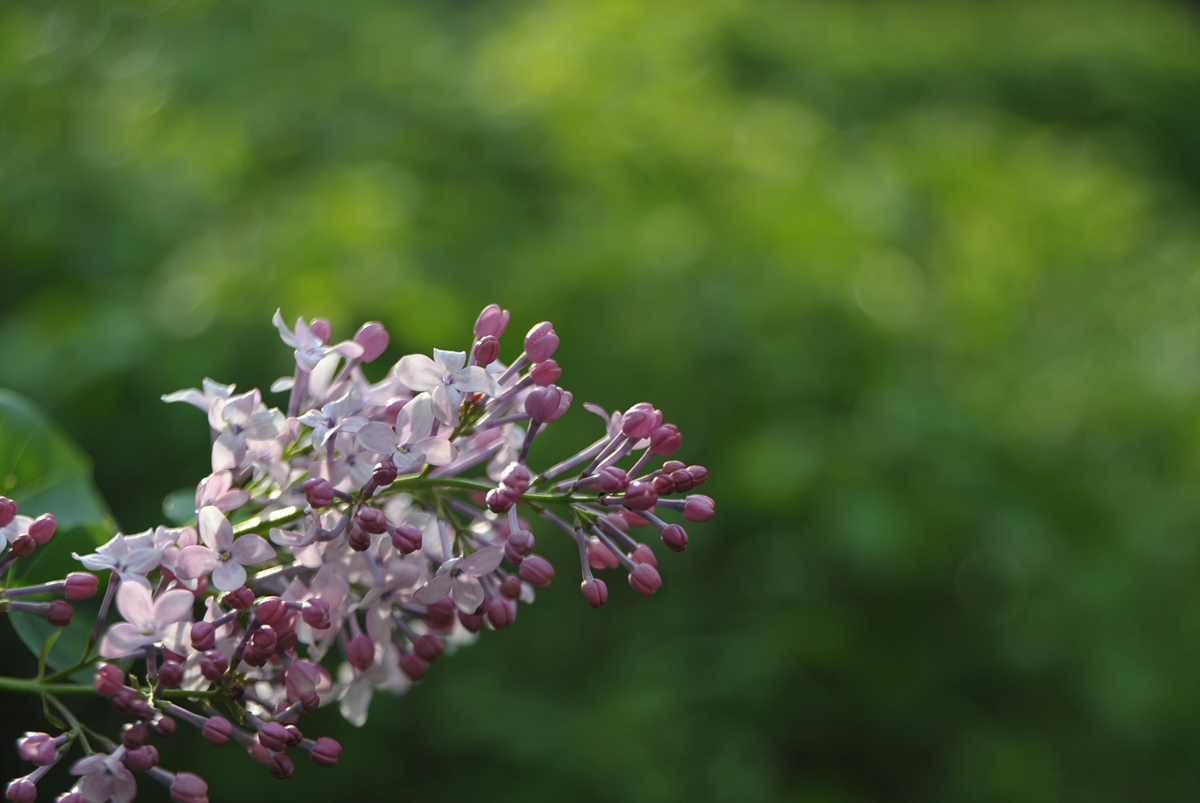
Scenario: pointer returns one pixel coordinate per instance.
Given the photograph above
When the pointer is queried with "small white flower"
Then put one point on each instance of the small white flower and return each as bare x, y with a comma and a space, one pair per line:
147, 619
459, 577
131, 557
221, 555
446, 378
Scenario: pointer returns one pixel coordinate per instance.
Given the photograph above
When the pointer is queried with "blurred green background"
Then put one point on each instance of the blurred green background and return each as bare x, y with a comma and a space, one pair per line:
918, 281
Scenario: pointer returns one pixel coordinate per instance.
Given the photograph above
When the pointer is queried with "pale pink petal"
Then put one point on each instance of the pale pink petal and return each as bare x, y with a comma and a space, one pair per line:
476, 380
418, 372
482, 562
284, 333
435, 590
467, 593
437, 451
264, 425
135, 604
228, 451
215, 529
172, 606
229, 576
251, 549
232, 500
193, 562
450, 361
122, 639
445, 404
377, 437
357, 702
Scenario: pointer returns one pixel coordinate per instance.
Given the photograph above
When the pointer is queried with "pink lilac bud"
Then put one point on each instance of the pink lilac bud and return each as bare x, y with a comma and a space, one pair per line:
213, 665
501, 612
189, 788
440, 614
521, 542
8, 511
60, 614
322, 330
259, 753
22, 790
643, 554
80, 585
265, 640
487, 349
372, 520
511, 588
271, 611
601, 557
135, 735
498, 500
42, 528
512, 556
23, 546
547, 404
142, 758
310, 700
545, 373
699, 475
671, 466
595, 592
318, 492
612, 479
70, 797
239, 599
406, 539
640, 496
645, 580
164, 726
38, 748
698, 507
295, 737
662, 484
537, 571
640, 421
473, 622
630, 518
412, 665
204, 636
384, 474
360, 652
373, 338
315, 613
326, 752
516, 478
429, 647
358, 540
273, 736
109, 680
491, 322
217, 731
665, 440
675, 537
281, 766
541, 342
681, 481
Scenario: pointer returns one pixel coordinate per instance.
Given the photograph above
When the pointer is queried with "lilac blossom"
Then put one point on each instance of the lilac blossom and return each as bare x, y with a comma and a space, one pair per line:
311, 349
459, 577
239, 419
130, 556
105, 778
221, 554
146, 618
447, 376
411, 443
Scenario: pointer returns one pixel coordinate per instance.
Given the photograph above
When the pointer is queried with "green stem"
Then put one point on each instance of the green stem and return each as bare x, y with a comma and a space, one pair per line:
31, 686
71, 670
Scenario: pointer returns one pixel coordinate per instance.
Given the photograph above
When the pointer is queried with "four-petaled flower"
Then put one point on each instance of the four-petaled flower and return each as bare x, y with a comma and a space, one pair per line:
146, 618
447, 379
309, 348
335, 417
105, 779
410, 444
459, 577
130, 556
202, 399
222, 555
239, 419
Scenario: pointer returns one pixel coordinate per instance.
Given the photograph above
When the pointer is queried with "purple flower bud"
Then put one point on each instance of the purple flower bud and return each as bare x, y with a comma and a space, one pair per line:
8, 511
325, 752
595, 592
310, 700
265, 640
318, 492
541, 342
204, 636
640, 496
281, 766
501, 613
429, 647
412, 665
315, 613
372, 520
698, 507
522, 541
71, 797
189, 788
164, 726
239, 599
42, 528
406, 539
643, 554
217, 731
38, 748
135, 735
601, 557
322, 330
473, 622
498, 500
109, 680
295, 737
358, 540
516, 478
512, 555
440, 615
23, 546
21, 790
537, 571
612, 479
487, 349
681, 481
384, 474
492, 321
273, 736
545, 373
81, 585
662, 484
665, 440
213, 665
547, 404
675, 537
645, 580
511, 588
271, 611
142, 758
373, 338
360, 652
699, 475
61, 613
671, 466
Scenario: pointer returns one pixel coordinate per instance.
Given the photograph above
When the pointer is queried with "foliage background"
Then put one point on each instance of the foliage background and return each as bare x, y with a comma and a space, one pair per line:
917, 280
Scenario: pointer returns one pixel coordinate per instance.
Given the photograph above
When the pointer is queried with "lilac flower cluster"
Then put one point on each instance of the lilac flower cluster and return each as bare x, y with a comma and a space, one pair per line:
344, 526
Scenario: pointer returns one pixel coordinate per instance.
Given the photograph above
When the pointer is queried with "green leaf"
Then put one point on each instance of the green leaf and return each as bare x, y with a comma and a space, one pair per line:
46, 651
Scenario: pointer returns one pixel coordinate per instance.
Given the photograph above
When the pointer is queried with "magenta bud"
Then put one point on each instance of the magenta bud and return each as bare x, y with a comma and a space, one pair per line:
537, 571
22, 790
501, 612
665, 440
315, 613
271, 611
318, 492
498, 500
358, 540
204, 636
322, 329
295, 737
23, 546
511, 588
76, 797
440, 614
135, 735
42, 528
109, 680
681, 481
640, 496
373, 338
671, 466
384, 474
522, 541
189, 788
360, 652
61, 613
595, 592
487, 349
213, 665
122, 702
326, 752
473, 622
631, 518
512, 555
545, 373
406, 539
142, 758
601, 557
491, 322
662, 484
265, 640
8, 511
164, 726
372, 520
273, 736
516, 479
643, 554
240, 599
412, 665
613, 480
675, 537
547, 404
81, 585
640, 421
217, 731
541, 342
645, 580
429, 647
699, 475
698, 507
281, 766
310, 700
38, 748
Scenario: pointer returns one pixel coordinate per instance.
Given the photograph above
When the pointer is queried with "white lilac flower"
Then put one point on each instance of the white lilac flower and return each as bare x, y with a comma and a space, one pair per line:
221, 554
217, 490
239, 419
105, 778
309, 348
337, 416
411, 444
202, 399
146, 618
459, 577
447, 376
359, 687
14, 529
130, 556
